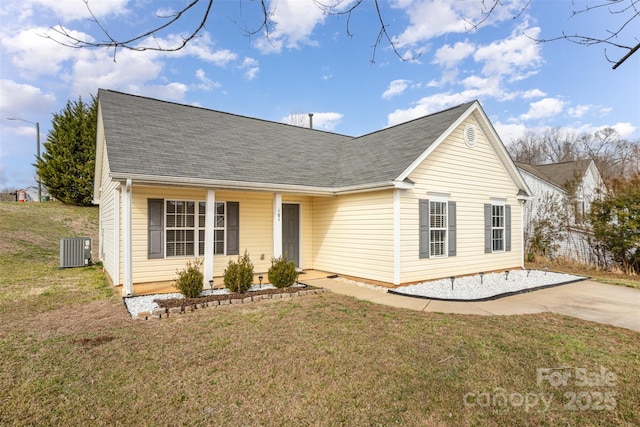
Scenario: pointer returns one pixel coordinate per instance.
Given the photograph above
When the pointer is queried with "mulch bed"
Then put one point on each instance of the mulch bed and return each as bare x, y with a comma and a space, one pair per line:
184, 302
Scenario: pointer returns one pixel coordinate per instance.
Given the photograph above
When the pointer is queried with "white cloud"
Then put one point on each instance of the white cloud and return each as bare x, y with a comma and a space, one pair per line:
449, 56
326, 121
294, 22
508, 133
546, 107
18, 97
250, 65
70, 10
533, 93
431, 104
428, 19
396, 87
206, 84
38, 55
514, 55
625, 129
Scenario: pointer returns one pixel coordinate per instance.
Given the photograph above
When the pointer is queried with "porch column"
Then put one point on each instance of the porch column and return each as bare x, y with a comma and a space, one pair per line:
127, 260
277, 225
396, 236
209, 224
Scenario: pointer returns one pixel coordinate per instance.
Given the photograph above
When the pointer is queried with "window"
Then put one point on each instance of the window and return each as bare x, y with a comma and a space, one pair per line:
437, 227
177, 228
497, 228
181, 228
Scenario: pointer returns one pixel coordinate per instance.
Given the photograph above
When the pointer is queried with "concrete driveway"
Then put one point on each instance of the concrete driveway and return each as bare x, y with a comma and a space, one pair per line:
588, 300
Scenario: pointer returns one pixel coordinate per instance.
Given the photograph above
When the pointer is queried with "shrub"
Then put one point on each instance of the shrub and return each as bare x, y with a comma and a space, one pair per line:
238, 276
282, 273
190, 281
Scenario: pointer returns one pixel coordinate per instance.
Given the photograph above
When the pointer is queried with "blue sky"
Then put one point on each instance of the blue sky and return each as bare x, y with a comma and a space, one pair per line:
309, 63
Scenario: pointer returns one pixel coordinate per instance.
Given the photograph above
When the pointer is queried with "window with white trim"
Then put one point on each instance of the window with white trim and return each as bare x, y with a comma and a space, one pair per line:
437, 228
497, 228
177, 228
184, 233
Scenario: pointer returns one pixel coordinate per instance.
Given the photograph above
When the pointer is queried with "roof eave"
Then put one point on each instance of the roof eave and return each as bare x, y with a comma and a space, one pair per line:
261, 186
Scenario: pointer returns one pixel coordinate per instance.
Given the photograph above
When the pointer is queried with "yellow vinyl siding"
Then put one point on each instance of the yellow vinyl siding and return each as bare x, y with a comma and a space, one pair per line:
108, 233
353, 235
255, 231
471, 177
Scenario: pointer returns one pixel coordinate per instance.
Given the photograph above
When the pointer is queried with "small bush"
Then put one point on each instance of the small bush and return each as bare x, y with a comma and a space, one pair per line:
282, 273
238, 276
190, 281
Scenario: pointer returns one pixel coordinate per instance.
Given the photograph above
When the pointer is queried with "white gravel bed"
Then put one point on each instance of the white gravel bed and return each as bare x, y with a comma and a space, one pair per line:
138, 304
490, 285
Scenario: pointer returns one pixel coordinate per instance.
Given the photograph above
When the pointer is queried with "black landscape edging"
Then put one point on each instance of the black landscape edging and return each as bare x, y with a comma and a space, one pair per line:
493, 297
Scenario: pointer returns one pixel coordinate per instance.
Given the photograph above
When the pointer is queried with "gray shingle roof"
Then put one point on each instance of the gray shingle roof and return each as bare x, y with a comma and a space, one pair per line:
558, 174
163, 139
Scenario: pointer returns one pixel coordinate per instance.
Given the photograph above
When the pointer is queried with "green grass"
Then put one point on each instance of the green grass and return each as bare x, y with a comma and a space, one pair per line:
610, 277
71, 355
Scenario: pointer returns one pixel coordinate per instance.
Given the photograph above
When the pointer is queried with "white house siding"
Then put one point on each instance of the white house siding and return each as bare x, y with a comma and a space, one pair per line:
471, 177
353, 235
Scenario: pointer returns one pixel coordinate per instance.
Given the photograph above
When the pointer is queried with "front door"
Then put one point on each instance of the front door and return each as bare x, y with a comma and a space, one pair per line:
291, 232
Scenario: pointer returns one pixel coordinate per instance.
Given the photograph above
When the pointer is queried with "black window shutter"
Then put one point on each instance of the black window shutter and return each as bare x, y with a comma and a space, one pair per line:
488, 247
424, 228
507, 228
451, 212
155, 241
233, 228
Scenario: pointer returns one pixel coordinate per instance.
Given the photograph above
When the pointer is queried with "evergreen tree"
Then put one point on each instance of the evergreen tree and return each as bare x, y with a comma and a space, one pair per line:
66, 167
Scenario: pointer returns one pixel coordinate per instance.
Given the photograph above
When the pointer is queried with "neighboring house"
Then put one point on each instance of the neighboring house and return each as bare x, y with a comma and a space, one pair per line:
435, 197
571, 186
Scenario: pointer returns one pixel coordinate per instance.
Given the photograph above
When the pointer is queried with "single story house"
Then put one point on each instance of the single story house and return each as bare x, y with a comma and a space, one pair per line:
435, 197
571, 187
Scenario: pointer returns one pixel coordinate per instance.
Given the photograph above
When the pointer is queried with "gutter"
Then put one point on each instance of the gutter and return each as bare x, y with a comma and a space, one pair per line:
258, 186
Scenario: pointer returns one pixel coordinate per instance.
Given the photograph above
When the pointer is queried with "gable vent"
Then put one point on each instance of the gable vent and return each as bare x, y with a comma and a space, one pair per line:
470, 135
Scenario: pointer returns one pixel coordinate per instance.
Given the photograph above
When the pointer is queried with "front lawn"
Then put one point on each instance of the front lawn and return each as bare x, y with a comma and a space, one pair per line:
71, 355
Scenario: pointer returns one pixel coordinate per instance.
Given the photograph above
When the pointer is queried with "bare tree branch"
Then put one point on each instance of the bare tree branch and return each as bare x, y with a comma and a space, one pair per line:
614, 7
111, 42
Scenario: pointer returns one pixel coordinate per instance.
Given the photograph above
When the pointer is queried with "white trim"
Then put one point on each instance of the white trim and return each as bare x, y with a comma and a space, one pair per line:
209, 223
127, 286
116, 235
445, 201
260, 186
522, 202
277, 225
396, 237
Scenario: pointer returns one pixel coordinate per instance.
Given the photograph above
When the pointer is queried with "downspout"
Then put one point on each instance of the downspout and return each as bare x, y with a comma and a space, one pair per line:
127, 261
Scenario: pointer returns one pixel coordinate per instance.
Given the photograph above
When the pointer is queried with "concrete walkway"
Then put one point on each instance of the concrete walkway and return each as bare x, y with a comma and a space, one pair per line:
588, 300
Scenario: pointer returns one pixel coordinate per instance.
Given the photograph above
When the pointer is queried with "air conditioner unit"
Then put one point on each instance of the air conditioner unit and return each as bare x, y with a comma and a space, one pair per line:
75, 252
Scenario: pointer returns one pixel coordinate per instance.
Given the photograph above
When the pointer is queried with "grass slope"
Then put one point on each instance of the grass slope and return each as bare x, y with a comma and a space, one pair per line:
70, 355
